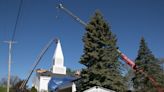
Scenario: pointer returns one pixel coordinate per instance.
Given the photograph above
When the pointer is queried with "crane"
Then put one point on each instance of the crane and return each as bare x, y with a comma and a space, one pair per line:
122, 55
72, 15
23, 85
134, 67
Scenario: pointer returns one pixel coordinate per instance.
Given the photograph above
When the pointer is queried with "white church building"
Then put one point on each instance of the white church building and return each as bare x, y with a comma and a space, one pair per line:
56, 79
58, 70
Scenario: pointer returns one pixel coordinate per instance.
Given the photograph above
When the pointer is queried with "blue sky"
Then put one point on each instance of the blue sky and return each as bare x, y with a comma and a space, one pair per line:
40, 21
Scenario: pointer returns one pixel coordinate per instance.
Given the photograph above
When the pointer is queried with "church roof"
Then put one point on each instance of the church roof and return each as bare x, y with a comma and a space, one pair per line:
42, 72
57, 82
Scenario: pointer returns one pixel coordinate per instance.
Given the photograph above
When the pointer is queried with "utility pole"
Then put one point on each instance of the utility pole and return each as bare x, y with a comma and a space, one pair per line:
9, 63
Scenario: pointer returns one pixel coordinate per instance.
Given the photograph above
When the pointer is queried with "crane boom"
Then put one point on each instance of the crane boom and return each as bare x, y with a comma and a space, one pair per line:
71, 14
23, 85
122, 56
127, 60
134, 67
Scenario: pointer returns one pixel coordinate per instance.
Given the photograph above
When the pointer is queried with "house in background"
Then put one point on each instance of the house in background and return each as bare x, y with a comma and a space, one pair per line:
98, 89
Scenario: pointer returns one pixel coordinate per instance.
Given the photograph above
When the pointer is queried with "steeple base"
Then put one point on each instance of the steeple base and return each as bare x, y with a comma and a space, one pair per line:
59, 70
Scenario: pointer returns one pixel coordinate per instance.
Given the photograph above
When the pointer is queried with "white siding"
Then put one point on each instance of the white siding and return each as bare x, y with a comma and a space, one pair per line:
44, 83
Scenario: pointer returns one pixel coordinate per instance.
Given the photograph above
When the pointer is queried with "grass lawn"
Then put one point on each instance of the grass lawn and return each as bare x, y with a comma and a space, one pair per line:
3, 89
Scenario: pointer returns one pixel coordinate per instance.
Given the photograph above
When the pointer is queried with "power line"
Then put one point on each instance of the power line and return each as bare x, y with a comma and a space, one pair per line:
10, 45
17, 19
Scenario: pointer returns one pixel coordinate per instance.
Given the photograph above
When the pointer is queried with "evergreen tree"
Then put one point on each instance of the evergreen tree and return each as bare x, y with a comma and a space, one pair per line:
147, 62
100, 57
128, 78
33, 89
70, 72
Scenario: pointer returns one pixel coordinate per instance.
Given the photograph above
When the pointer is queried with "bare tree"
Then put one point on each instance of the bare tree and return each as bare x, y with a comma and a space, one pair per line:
13, 81
3, 82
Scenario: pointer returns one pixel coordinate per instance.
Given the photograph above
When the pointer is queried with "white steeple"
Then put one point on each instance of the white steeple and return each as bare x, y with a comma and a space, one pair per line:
58, 60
